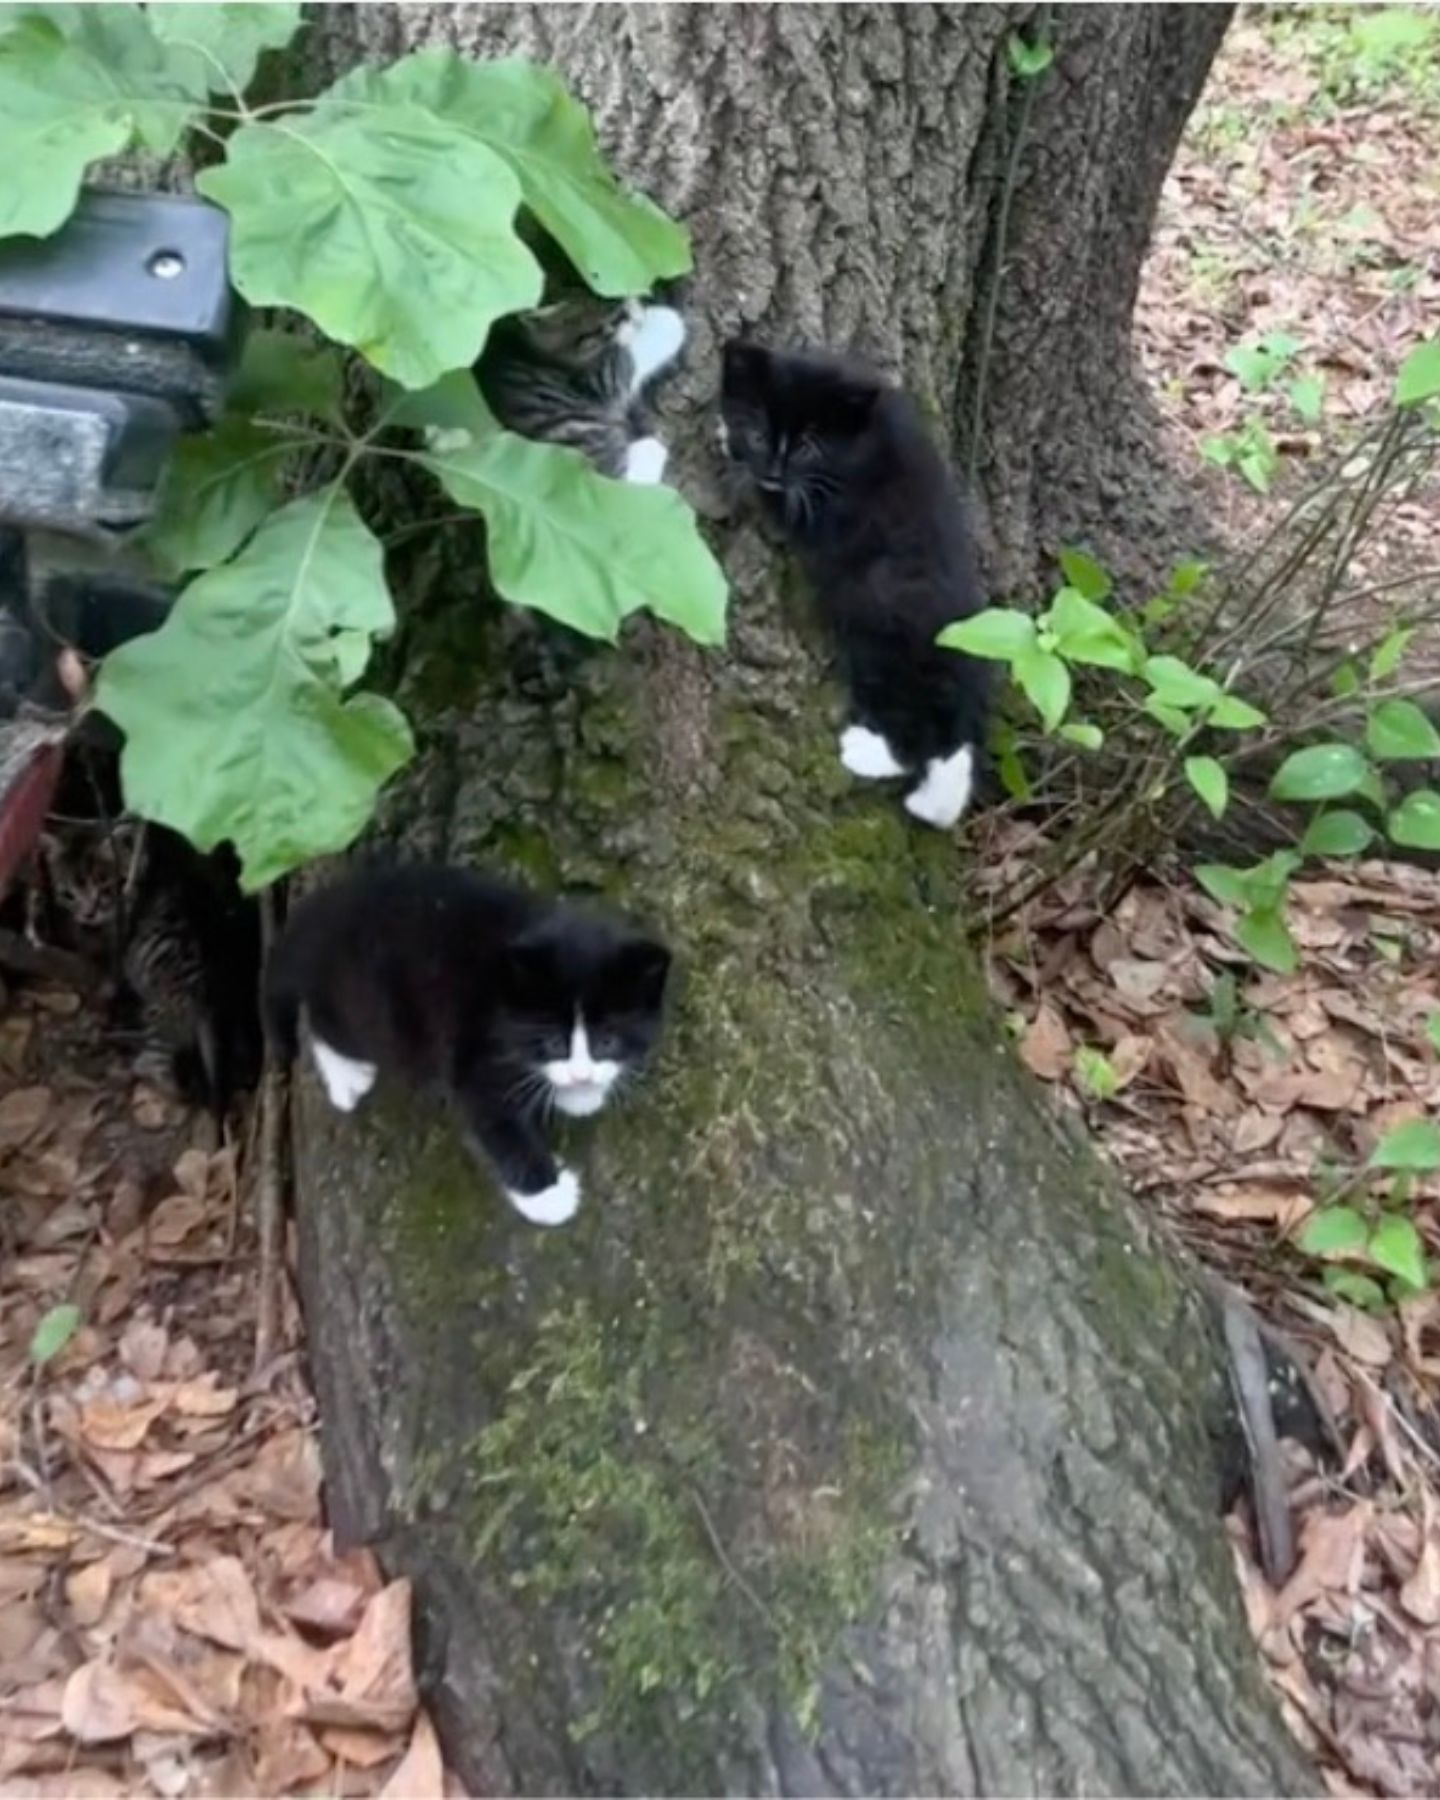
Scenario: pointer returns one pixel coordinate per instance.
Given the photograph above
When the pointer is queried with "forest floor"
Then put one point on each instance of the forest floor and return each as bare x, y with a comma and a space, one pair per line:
1305, 202
174, 1619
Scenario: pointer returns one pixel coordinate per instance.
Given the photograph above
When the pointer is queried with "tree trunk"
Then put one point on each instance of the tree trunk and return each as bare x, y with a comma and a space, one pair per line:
855, 1438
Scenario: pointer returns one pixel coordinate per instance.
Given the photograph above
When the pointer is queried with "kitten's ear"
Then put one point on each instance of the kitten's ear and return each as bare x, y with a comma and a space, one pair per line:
644, 965
745, 367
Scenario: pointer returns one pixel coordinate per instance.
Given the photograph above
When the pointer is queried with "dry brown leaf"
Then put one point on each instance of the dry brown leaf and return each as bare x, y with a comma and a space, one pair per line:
421, 1773
1332, 1553
214, 1599
108, 1424
142, 1348
1190, 1068
1282, 1207
98, 1704
1046, 1049
1365, 1338
175, 1218
203, 1398
360, 1748
22, 1112
88, 1590
289, 1757
330, 1605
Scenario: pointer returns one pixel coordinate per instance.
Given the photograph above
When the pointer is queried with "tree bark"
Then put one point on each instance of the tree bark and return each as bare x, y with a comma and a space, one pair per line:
856, 1437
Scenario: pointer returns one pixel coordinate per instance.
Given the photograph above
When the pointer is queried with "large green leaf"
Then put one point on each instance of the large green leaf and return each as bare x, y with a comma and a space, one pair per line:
1320, 772
1210, 782
1340, 833
394, 232
227, 39
563, 539
1414, 1145
67, 97
999, 634
217, 488
1333, 1231
1396, 1248
1046, 683
236, 725
619, 241
1397, 731
1265, 936
1086, 633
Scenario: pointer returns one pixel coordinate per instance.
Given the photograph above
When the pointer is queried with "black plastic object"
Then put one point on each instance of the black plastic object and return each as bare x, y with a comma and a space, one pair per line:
147, 263
116, 334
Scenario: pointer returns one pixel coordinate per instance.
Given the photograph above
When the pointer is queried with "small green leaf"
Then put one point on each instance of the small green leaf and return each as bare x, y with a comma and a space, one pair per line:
1419, 377
1255, 366
1341, 833
1175, 683
1388, 654
1011, 768
1231, 713
1333, 1231
234, 712
1395, 1247
1085, 575
1086, 633
999, 634
227, 40
1356, 1289
1397, 731
1415, 823
1026, 59
1345, 681
394, 232
1413, 1145
1307, 396
1384, 35
1432, 1031
53, 1333
282, 373
1320, 772
1081, 732
217, 488
1096, 1073
621, 242
1176, 722
1185, 577
1264, 935
570, 542
1209, 781
1224, 884
1219, 450
1046, 683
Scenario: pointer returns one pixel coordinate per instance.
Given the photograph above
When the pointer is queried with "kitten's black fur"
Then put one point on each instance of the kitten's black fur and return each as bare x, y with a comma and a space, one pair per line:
468, 984
844, 466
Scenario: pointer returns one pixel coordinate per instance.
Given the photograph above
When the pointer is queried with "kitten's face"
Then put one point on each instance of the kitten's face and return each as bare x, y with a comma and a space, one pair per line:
572, 333
582, 1009
799, 426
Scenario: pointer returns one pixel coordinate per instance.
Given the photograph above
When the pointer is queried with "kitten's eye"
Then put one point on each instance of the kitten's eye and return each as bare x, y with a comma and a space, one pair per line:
605, 1044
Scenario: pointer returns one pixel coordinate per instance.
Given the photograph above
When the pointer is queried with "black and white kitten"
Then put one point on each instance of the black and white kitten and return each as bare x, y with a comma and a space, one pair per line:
844, 466
576, 373
511, 1004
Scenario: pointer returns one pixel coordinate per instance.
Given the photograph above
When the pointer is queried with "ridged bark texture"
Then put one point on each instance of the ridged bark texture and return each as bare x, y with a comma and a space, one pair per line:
855, 1438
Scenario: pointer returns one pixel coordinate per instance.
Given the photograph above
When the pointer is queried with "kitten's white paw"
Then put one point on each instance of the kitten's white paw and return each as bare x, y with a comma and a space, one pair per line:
945, 792
654, 339
645, 461
347, 1081
722, 436
866, 754
551, 1206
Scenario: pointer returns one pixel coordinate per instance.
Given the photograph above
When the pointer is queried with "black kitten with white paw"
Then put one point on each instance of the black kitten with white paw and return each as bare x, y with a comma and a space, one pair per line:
511, 1004
844, 466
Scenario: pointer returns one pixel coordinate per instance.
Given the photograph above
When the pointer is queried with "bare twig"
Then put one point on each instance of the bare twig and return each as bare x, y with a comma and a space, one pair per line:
269, 1185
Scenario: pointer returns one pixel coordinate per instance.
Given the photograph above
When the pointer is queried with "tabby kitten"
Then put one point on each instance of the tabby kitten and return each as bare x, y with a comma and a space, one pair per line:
576, 373
510, 1004
845, 468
